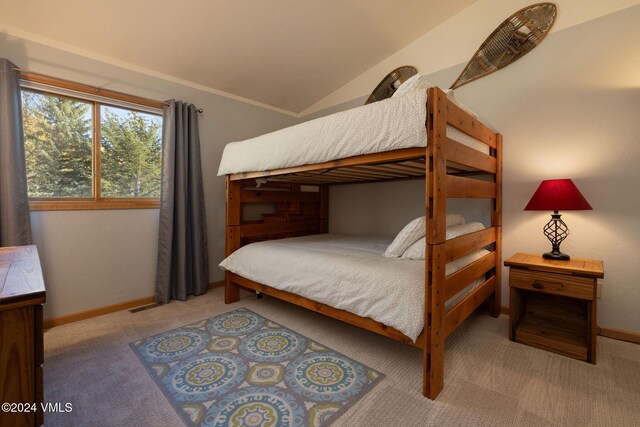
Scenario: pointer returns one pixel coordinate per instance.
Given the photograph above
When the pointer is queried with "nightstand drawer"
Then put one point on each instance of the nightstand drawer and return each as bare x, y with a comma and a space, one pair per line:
552, 283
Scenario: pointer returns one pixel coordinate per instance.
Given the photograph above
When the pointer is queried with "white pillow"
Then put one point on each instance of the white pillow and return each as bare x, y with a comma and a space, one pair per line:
419, 81
414, 231
406, 237
462, 229
454, 219
417, 249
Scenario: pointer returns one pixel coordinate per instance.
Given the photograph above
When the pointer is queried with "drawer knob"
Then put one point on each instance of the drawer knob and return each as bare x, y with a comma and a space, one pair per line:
541, 285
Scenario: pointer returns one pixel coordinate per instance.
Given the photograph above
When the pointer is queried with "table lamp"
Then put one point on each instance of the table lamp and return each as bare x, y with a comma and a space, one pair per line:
556, 195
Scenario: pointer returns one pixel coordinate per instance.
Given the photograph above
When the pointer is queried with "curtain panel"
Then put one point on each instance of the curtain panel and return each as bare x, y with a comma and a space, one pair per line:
15, 224
183, 264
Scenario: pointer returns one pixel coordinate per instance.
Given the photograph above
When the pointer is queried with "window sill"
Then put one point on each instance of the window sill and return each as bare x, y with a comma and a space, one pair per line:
85, 205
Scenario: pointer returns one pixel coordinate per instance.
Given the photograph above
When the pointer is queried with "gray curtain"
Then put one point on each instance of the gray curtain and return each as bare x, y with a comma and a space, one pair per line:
15, 225
183, 262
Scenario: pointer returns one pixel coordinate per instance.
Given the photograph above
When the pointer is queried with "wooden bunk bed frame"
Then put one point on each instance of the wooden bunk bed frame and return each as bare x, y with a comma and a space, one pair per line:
447, 166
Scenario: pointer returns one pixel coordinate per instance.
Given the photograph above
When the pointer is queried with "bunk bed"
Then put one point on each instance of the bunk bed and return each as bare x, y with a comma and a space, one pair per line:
449, 162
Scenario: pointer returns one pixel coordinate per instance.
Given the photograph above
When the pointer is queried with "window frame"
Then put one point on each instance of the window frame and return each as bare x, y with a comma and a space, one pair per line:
96, 202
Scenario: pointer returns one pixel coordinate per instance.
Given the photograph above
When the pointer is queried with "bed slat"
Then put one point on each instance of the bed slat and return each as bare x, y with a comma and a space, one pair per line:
400, 168
381, 170
461, 187
327, 176
409, 168
462, 155
351, 173
464, 308
262, 196
463, 245
261, 229
462, 121
463, 277
309, 180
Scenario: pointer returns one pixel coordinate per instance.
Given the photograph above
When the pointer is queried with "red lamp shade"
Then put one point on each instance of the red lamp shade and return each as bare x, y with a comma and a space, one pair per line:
558, 195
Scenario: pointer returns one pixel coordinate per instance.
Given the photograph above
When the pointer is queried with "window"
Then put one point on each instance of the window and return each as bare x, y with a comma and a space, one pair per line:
58, 139
88, 153
130, 153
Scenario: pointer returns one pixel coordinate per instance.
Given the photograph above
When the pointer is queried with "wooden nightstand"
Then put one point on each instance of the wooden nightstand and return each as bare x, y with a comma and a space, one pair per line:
553, 304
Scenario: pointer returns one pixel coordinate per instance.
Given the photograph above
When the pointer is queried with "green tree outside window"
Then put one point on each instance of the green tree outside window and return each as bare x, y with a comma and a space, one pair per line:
59, 149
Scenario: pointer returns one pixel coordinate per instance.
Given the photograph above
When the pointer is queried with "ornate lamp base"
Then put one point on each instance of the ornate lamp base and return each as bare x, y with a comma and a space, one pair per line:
559, 256
556, 231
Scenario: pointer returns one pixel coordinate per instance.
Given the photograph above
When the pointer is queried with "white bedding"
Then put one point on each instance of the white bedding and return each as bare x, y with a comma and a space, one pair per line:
346, 272
387, 125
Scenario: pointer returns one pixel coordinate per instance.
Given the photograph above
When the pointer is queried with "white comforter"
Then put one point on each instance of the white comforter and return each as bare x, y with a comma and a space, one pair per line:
346, 272
386, 125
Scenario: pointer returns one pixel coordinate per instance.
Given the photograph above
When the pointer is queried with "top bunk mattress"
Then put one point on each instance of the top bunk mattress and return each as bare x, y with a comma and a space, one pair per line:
387, 125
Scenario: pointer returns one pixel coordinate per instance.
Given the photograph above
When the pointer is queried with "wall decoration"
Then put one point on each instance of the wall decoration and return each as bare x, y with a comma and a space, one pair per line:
513, 39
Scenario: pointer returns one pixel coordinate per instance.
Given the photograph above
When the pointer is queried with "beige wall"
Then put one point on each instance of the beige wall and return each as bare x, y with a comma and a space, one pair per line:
96, 258
382, 209
569, 109
455, 41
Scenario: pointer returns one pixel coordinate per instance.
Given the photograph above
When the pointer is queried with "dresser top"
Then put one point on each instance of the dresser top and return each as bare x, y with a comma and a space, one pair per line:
20, 275
578, 266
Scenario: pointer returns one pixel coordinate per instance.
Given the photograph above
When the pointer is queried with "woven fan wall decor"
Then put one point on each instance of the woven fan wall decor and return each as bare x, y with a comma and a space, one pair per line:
513, 39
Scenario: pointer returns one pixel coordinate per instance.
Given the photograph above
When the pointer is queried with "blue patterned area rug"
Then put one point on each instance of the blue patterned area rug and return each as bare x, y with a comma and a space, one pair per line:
240, 369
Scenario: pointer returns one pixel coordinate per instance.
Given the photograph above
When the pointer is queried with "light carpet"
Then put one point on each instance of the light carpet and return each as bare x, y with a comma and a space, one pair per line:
489, 380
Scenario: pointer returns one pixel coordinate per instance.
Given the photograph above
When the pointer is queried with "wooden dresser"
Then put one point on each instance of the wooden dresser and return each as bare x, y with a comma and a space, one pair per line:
22, 294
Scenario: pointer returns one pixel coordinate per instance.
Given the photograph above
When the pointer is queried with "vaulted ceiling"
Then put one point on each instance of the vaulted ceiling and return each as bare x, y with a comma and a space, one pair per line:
287, 54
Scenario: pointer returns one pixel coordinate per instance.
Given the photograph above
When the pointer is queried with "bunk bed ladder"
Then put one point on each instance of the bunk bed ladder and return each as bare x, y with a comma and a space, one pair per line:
297, 213
439, 323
